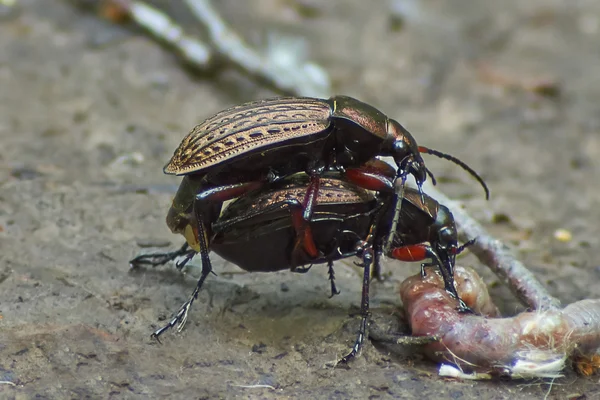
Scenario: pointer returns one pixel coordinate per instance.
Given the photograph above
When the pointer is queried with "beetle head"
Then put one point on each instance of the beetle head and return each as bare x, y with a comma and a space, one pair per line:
406, 153
446, 245
177, 220
180, 217
445, 238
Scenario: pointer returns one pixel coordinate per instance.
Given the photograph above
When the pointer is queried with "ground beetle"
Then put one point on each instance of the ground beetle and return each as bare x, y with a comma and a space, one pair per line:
247, 146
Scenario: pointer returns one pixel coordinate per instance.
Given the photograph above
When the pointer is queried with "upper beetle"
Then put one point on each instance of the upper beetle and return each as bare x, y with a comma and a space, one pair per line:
337, 132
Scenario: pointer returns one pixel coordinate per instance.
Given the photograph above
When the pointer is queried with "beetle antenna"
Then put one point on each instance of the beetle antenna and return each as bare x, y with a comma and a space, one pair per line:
460, 163
460, 249
433, 181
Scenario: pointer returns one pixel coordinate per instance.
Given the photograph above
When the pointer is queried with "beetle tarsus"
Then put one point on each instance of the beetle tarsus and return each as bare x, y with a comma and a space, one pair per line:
181, 264
463, 308
364, 309
302, 270
156, 259
426, 265
181, 317
334, 289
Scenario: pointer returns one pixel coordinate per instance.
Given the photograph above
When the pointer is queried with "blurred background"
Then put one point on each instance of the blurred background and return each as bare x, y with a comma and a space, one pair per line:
96, 95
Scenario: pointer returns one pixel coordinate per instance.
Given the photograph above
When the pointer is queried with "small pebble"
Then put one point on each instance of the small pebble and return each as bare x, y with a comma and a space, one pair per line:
563, 235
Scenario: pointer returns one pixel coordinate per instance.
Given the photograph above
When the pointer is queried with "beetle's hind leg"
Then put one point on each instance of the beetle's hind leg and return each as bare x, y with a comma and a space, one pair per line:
367, 257
156, 259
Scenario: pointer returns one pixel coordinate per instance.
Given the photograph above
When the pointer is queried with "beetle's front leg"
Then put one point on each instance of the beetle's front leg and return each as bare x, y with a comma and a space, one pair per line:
203, 204
374, 175
367, 257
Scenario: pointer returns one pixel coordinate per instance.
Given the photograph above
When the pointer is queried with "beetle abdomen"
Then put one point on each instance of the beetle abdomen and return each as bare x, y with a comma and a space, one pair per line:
246, 129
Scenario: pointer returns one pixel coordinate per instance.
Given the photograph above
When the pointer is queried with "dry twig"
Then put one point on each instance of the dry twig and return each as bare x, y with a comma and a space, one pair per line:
283, 64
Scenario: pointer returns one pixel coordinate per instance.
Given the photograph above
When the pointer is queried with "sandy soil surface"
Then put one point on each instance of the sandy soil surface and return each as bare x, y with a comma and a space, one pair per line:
90, 112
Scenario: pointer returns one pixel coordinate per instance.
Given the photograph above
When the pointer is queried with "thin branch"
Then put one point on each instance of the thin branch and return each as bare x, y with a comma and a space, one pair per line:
160, 25
283, 65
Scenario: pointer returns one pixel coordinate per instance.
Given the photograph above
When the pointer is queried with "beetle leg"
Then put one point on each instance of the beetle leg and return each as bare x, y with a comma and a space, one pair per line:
370, 178
304, 237
425, 265
302, 270
212, 195
181, 317
364, 307
399, 184
156, 259
334, 289
227, 192
377, 267
310, 198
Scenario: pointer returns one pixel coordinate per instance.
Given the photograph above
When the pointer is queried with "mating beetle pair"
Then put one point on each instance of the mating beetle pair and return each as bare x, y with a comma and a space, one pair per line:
256, 144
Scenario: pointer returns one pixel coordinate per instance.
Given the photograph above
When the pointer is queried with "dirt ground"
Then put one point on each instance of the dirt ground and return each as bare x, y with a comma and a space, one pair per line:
90, 112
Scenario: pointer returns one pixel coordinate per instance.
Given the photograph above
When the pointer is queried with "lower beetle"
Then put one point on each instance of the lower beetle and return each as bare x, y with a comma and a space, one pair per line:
243, 148
256, 233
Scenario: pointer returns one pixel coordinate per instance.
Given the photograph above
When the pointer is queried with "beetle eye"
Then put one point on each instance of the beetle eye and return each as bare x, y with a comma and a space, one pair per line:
401, 149
447, 236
